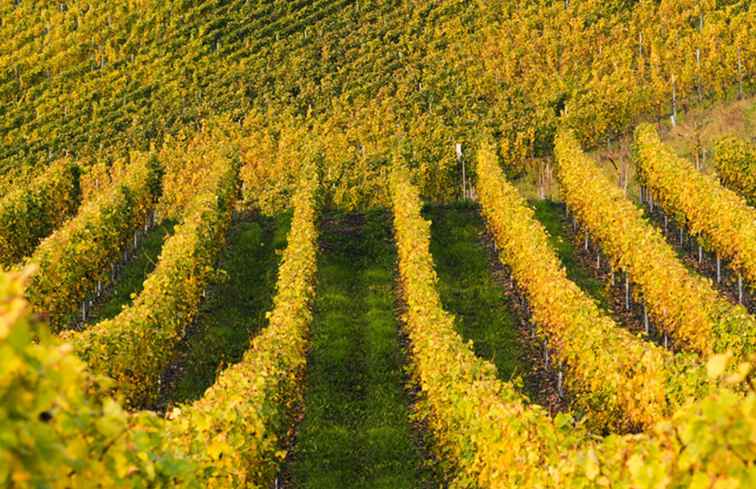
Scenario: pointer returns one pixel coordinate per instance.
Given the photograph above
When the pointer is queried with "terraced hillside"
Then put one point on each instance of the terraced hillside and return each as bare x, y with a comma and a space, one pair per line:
377, 243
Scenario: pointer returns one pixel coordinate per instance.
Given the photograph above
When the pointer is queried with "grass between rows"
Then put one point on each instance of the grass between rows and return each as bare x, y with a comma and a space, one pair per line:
468, 289
356, 430
551, 215
133, 275
234, 310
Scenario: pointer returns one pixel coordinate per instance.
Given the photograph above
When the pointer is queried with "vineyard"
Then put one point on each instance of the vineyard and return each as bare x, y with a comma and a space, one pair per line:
378, 244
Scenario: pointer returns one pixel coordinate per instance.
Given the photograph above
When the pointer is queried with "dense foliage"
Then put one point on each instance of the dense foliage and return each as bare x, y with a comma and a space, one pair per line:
115, 115
720, 217
237, 431
735, 161
135, 347
61, 428
73, 260
493, 438
617, 380
31, 212
680, 303
98, 81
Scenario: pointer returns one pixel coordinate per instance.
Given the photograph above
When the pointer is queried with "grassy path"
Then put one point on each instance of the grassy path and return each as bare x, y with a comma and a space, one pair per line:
356, 430
233, 311
551, 215
469, 291
581, 269
133, 275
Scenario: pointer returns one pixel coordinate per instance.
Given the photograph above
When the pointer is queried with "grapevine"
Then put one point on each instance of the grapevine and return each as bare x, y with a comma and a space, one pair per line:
619, 380
682, 304
713, 213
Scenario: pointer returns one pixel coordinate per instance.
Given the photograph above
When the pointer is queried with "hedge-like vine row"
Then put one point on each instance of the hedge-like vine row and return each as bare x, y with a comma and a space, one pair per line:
75, 434
492, 438
59, 429
187, 162
30, 213
234, 431
134, 347
735, 161
79, 255
482, 425
618, 380
718, 215
682, 304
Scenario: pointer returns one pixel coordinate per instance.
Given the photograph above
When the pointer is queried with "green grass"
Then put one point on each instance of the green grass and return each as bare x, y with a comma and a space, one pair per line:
132, 278
356, 430
468, 289
235, 308
551, 215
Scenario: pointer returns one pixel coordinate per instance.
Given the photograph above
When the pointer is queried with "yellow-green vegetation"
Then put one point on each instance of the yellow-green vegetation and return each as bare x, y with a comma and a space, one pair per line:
360, 76
74, 433
72, 261
493, 438
468, 289
735, 161
134, 347
30, 213
681, 303
356, 430
234, 309
603, 360
237, 431
155, 156
720, 217
131, 279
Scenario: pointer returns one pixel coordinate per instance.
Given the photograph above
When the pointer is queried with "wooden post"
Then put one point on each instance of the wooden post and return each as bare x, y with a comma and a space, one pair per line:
673, 117
458, 148
700, 81
640, 46
541, 181
719, 269
627, 291
740, 75
645, 318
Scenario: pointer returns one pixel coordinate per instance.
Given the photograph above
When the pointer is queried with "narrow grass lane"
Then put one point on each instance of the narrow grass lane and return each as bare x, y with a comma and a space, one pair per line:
133, 275
469, 291
234, 310
356, 430
551, 215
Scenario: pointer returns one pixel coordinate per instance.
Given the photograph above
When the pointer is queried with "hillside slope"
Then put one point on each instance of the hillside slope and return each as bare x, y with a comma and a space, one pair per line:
367, 78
